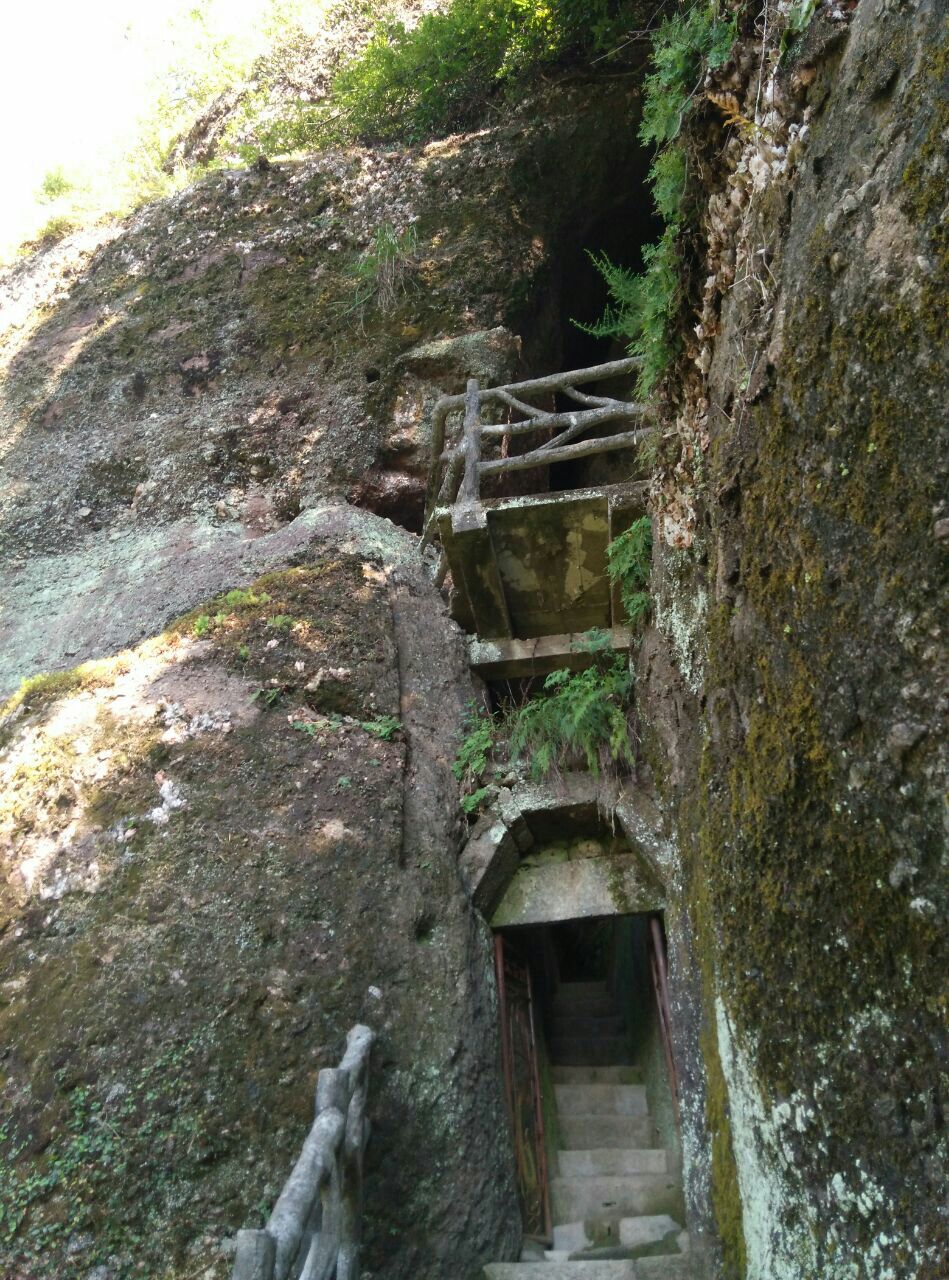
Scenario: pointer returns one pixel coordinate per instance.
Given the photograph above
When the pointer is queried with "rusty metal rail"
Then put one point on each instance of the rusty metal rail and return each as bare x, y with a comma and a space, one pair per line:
456, 471
522, 1090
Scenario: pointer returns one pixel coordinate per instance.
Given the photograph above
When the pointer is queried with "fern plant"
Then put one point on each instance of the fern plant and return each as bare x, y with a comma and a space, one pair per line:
644, 307
472, 759
581, 718
628, 559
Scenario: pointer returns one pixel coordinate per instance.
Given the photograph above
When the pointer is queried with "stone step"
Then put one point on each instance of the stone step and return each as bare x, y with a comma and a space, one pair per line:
560, 1271
583, 1051
583, 1132
665, 1267
585, 1000
576, 1027
601, 1099
572, 1199
596, 1075
582, 990
612, 1161
645, 1231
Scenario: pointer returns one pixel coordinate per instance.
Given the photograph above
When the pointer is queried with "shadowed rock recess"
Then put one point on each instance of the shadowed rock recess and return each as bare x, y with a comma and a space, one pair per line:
229, 824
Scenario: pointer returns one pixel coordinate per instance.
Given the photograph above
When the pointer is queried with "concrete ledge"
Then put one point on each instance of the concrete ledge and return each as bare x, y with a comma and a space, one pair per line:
576, 890
522, 820
500, 659
488, 863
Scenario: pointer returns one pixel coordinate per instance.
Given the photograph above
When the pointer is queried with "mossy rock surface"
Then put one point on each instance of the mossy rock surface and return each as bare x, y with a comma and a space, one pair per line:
793, 697
207, 881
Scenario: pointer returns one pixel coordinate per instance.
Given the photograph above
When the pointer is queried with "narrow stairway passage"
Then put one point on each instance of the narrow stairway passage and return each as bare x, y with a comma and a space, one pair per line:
616, 1197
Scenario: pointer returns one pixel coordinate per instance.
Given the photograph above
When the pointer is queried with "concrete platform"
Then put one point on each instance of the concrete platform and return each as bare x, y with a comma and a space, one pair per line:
524, 567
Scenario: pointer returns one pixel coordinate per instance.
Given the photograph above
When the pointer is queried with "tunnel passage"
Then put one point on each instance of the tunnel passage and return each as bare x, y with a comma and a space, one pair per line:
589, 1085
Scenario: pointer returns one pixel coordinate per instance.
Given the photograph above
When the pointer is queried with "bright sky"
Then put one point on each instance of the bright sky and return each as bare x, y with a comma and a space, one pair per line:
74, 77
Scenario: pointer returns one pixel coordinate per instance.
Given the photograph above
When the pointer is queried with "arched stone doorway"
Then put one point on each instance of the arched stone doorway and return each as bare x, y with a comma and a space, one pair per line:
574, 892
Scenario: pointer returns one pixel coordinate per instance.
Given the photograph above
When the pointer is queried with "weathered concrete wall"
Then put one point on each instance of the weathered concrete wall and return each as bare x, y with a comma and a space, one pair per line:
793, 687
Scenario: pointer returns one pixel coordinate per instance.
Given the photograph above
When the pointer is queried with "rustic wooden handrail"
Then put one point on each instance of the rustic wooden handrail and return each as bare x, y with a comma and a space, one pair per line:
455, 473
314, 1230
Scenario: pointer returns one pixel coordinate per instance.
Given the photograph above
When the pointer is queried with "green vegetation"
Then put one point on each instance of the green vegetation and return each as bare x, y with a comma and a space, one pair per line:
644, 307
241, 599
383, 270
94, 1148
385, 728
798, 18
441, 75
578, 719
581, 718
628, 562
54, 186
472, 759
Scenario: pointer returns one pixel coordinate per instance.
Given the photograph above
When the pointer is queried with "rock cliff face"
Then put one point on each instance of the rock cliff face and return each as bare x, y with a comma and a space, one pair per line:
219, 850
227, 837
794, 684
267, 339
204, 888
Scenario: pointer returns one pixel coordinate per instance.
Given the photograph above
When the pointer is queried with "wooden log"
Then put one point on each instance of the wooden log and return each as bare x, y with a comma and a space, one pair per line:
471, 445
575, 420
545, 457
255, 1256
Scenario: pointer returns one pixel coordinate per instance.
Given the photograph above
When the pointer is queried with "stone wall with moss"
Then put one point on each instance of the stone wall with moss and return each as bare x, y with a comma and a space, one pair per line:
794, 686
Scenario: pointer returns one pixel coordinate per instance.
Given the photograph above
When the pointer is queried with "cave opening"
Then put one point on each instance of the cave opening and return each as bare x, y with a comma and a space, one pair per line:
571, 294
571, 291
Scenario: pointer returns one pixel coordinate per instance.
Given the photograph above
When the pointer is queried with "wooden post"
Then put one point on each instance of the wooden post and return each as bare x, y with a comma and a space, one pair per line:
471, 482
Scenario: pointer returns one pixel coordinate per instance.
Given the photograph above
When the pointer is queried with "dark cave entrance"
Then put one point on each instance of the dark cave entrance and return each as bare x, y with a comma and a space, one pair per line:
571, 292
620, 232
570, 288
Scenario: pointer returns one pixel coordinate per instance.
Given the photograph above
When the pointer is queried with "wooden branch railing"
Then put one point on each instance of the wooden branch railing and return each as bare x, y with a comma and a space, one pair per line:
314, 1230
455, 473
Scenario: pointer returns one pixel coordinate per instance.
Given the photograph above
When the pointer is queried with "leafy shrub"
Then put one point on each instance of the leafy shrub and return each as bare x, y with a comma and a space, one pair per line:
56, 229
628, 564
54, 186
440, 74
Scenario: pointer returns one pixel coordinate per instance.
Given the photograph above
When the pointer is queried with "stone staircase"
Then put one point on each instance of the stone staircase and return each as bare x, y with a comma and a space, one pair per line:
616, 1200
